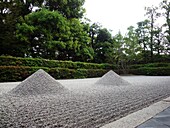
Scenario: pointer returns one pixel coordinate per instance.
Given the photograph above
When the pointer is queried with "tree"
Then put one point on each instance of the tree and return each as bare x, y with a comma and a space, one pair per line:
158, 39
142, 32
114, 51
13, 10
152, 14
103, 35
68, 8
48, 34
93, 32
118, 51
43, 33
131, 46
102, 44
165, 5
78, 46
9, 14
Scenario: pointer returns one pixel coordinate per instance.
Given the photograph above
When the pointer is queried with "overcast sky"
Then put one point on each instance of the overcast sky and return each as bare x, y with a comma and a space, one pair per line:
117, 14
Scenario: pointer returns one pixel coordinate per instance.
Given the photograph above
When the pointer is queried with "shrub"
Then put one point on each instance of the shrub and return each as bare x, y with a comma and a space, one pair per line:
149, 65
152, 71
35, 62
19, 73
157, 65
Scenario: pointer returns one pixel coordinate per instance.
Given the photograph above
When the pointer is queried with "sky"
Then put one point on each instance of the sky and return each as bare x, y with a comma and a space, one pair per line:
117, 15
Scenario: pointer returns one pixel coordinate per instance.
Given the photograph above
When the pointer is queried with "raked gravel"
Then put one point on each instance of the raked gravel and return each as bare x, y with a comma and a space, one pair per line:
112, 79
84, 105
38, 83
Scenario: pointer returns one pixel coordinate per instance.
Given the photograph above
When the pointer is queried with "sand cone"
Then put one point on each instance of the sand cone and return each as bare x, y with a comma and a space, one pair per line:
111, 78
38, 83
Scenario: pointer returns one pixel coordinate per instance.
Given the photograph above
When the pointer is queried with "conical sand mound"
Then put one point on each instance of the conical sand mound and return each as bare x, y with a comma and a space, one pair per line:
111, 78
38, 83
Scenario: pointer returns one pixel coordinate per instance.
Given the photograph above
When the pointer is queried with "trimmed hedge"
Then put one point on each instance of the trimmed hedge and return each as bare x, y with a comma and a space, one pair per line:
151, 71
35, 62
149, 65
19, 73
17, 69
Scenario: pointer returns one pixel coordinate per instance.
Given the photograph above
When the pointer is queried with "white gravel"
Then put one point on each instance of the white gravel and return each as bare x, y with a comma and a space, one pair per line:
113, 79
84, 105
38, 83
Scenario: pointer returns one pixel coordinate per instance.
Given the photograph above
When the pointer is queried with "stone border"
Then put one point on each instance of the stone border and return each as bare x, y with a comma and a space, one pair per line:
139, 117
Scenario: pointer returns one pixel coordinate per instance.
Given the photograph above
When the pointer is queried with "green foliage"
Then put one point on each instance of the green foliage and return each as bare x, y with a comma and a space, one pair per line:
77, 49
102, 44
103, 35
81, 73
154, 65
44, 32
8, 17
19, 73
62, 73
48, 34
35, 62
68, 8
16, 73
55, 31
93, 32
152, 71
151, 12
131, 46
144, 58
165, 5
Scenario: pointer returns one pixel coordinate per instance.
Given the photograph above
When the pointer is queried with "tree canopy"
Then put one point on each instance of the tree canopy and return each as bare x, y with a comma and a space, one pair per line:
54, 29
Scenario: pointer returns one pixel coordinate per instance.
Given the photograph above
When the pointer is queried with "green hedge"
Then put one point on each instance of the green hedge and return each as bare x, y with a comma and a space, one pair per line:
19, 73
35, 62
151, 71
149, 65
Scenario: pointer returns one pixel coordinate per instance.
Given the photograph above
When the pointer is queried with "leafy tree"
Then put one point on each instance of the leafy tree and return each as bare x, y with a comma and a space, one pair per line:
152, 14
165, 5
158, 39
131, 47
118, 51
93, 32
103, 35
68, 8
8, 17
78, 47
13, 10
102, 44
114, 52
48, 34
10, 12
142, 32
44, 33
26, 6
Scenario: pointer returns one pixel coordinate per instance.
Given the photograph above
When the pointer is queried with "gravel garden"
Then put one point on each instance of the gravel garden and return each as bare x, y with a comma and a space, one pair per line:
40, 101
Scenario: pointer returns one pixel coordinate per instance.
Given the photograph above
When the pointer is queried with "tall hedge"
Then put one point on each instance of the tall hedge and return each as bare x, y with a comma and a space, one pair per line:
35, 62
